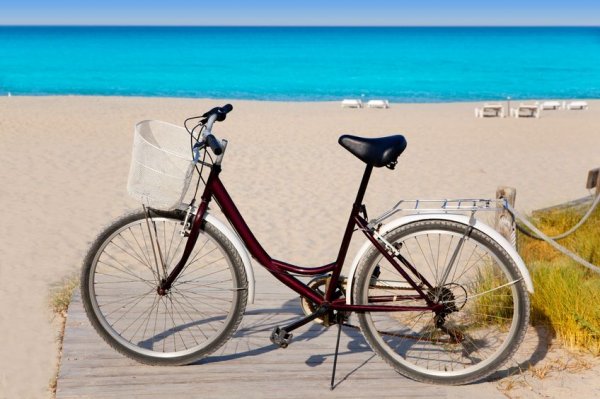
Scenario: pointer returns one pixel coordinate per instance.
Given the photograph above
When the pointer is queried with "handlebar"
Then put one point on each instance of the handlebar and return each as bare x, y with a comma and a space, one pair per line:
214, 144
217, 114
220, 112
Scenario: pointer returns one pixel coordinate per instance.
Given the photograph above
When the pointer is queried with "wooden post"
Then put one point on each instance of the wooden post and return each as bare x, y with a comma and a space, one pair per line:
505, 223
593, 180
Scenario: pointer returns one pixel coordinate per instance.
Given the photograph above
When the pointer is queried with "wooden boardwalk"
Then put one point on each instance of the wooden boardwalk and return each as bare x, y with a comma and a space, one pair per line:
248, 366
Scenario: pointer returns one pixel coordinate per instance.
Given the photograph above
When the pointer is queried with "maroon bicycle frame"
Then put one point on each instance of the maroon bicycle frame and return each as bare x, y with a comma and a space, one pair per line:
283, 271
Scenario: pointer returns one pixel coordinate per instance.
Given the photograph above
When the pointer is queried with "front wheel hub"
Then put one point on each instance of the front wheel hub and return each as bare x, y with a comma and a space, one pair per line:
163, 289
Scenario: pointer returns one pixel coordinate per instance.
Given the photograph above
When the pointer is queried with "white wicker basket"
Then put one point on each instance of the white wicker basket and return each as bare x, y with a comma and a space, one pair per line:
161, 164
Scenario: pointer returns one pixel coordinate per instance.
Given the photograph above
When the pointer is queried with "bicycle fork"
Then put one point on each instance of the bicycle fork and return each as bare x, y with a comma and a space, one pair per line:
167, 282
155, 246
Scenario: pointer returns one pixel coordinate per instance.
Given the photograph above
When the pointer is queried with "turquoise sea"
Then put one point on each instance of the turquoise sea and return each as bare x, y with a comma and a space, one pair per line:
302, 63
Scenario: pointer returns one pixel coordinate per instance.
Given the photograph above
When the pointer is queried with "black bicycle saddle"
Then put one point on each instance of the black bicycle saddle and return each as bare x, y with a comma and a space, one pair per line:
378, 152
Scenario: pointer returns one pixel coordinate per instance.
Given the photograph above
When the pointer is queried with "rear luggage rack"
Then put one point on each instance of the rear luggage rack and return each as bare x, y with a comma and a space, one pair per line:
440, 206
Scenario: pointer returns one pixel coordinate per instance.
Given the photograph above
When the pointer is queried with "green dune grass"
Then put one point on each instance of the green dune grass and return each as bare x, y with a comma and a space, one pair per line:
567, 295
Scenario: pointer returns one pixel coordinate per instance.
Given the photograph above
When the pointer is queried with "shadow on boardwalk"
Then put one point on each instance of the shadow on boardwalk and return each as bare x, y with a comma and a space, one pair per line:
265, 320
250, 366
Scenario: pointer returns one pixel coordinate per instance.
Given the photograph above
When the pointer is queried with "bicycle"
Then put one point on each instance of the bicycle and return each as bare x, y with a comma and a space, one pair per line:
441, 297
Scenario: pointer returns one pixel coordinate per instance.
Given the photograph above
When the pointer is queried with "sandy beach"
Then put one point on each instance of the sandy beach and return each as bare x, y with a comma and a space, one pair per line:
65, 162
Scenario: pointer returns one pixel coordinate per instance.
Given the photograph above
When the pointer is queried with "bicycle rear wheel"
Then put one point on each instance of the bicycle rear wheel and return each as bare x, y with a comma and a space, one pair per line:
485, 313
123, 270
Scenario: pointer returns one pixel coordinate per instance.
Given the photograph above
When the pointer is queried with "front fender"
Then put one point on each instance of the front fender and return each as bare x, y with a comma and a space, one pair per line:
240, 247
449, 217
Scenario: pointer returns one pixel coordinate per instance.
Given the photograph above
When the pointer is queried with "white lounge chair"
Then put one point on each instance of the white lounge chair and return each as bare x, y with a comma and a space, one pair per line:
546, 105
526, 110
490, 110
577, 105
351, 103
378, 104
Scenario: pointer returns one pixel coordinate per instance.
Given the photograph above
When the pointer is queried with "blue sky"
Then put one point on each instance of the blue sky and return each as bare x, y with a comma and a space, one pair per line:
300, 12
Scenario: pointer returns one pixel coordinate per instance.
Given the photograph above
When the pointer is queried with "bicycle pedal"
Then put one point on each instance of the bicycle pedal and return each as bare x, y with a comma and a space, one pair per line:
281, 337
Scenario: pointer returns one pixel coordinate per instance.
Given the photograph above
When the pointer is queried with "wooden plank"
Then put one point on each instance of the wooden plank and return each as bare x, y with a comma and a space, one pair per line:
247, 366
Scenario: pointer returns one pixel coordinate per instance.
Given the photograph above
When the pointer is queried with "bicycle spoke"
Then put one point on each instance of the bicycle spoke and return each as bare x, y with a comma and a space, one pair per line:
168, 259
104, 304
122, 332
197, 298
194, 284
478, 319
155, 263
173, 329
150, 311
155, 303
201, 267
190, 306
192, 321
123, 270
211, 273
136, 256
193, 260
191, 318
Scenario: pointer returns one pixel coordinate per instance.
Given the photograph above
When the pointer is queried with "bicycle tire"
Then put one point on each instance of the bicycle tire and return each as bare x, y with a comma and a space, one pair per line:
486, 300
201, 311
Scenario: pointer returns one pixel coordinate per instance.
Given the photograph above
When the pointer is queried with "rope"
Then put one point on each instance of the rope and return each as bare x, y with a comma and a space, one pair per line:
551, 240
570, 231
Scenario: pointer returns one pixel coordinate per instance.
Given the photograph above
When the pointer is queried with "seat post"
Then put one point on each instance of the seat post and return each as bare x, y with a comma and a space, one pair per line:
363, 186
335, 275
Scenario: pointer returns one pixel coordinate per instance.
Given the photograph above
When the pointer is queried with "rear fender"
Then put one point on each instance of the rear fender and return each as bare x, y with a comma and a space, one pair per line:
448, 217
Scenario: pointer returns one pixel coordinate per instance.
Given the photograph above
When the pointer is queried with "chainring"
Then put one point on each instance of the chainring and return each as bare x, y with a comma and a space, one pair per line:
319, 285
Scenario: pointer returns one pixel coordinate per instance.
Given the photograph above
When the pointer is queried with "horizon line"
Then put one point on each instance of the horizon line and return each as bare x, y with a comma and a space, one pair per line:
296, 26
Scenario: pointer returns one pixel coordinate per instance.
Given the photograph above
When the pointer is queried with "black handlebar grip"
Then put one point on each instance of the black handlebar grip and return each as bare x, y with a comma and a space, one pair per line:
209, 113
214, 144
221, 112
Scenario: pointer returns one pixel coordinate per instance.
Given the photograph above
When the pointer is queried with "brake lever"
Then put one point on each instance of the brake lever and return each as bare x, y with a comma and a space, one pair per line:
199, 146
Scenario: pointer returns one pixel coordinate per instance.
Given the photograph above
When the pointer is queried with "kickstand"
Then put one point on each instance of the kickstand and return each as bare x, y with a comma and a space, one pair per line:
337, 347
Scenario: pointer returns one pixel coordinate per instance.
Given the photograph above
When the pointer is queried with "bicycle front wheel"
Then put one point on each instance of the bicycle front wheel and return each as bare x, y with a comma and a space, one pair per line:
485, 308
119, 286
